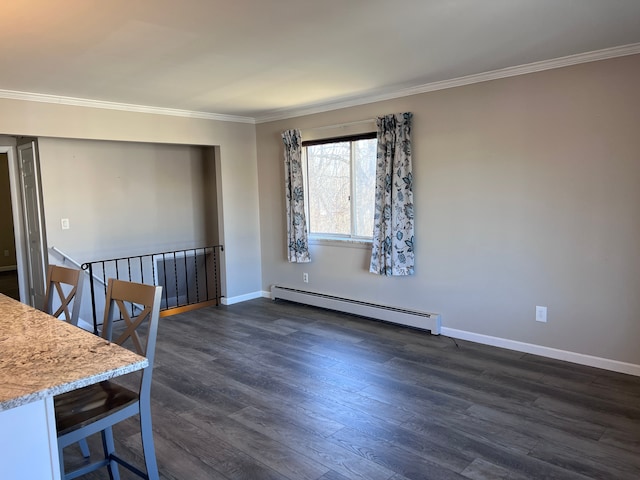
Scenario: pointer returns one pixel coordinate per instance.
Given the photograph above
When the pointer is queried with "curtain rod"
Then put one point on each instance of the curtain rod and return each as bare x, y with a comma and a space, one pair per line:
341, 125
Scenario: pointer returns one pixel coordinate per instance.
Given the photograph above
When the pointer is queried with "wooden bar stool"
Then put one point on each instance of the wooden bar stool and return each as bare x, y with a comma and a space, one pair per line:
64, 285
96, 408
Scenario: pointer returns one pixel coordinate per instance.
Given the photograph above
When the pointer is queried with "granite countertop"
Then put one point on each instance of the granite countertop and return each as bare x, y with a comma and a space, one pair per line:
41, 356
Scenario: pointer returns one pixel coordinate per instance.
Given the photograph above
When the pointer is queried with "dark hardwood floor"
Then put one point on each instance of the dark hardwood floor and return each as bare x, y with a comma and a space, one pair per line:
275, 390
9, 284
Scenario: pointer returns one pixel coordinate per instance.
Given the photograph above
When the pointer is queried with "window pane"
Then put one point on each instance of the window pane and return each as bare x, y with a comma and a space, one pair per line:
329, 186
365, 186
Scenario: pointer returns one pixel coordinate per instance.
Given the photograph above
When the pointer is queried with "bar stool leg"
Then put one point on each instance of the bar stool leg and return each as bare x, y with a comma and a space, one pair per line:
148, 448
84, 448
110, 448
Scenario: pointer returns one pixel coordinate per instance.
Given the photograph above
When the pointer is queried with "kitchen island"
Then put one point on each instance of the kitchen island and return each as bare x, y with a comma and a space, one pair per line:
40, 357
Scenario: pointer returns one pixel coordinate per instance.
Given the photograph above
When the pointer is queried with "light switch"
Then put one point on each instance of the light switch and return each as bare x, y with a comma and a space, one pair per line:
541, 314
65, 223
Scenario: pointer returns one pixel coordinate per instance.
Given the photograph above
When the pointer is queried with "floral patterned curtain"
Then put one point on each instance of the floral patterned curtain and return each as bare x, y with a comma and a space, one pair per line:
392, 253
298, 249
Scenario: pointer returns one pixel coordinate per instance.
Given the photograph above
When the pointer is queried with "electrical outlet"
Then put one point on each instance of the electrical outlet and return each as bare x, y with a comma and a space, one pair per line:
541, 314
6, 253
305, 277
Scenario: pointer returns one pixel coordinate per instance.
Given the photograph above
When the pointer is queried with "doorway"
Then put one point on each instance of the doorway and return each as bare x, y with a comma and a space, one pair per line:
9, 146
8, 266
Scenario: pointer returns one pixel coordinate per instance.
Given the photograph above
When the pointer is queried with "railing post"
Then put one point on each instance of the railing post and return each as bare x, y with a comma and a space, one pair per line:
93, 296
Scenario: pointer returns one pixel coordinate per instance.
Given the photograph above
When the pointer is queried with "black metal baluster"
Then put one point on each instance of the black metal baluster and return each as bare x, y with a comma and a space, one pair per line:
215, 276
175, 275
104, 281
153, 269
186, 276
206, 275
89, 266
164, 272
195, 273
104, 278
133, 307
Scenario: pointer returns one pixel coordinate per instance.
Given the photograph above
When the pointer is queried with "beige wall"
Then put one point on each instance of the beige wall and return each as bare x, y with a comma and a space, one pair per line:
525, 188
124, 198
7, 241
236, 173
526, 194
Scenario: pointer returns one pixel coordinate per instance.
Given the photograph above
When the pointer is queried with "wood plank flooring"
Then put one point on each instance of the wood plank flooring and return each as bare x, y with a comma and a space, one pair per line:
275, 390
9, 284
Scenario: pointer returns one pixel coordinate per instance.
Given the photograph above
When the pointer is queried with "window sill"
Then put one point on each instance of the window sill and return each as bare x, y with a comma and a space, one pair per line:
341, 242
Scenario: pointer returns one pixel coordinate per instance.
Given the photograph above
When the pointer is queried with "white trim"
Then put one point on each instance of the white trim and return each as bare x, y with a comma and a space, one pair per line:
9, 268
579, 358
569, 60
241, 298
266, 294
127, 107
341, 242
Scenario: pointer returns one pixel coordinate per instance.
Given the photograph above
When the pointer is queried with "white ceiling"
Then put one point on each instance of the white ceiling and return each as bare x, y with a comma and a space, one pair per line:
260, 58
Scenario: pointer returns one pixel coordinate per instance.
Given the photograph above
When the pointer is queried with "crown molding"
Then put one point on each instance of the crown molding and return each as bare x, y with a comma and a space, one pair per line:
283, 114
127, 107
534, 67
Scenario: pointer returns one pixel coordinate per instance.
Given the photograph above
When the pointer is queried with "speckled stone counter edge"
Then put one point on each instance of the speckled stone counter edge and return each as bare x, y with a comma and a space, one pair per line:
66, 387
41, 356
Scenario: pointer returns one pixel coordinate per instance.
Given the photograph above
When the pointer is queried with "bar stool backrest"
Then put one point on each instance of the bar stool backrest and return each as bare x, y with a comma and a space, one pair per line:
64, 287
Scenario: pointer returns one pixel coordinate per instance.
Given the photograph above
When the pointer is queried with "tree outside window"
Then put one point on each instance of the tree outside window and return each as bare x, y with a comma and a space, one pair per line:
341, 186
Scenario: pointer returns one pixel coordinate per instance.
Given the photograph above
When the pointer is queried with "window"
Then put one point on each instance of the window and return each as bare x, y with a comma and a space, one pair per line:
341, 181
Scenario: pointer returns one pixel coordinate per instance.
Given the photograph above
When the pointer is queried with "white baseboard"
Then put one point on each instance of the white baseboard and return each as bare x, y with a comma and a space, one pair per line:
8, 268
266, 294
240, 298
579, 358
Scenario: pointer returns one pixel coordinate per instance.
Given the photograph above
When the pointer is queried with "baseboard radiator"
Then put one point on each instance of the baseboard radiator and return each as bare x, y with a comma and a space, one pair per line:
402, 316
